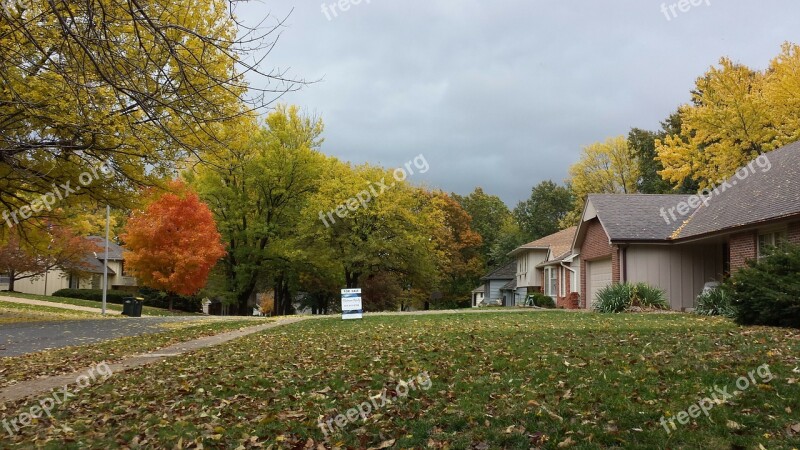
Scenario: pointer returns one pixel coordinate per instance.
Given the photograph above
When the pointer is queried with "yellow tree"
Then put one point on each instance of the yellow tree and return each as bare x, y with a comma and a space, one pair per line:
782, 92
138, 85
728, 124
607, 167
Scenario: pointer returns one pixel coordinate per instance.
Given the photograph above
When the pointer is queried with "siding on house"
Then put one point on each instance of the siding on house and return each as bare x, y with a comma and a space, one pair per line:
681, 271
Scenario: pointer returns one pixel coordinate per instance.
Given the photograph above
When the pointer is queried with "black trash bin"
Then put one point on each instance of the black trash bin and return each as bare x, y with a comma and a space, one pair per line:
128, 306
137, 307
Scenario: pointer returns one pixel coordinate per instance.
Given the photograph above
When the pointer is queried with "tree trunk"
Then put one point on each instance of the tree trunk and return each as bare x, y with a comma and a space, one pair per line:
12, 277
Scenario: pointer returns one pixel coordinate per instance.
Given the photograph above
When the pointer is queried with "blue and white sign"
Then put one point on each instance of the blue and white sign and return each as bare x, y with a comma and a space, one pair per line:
351, 304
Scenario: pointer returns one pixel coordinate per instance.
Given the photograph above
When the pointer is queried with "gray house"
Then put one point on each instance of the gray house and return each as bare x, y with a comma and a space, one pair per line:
497, 285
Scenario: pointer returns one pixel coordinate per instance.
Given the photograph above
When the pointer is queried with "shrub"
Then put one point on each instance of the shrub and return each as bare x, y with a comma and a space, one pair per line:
646, 296
540, 300
617, 298
614, 298
767, 292
115, 297
151, 297
715, 302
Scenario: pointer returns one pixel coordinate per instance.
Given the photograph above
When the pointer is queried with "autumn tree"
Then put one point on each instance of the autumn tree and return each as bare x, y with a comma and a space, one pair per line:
139, 85
458, 247
173, 243
49, 247
736, 114
488, 213
607, 167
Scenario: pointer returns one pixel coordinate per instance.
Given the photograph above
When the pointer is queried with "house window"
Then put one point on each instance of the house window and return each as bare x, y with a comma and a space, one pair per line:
4, 279
551, 281
573, 282
767, 241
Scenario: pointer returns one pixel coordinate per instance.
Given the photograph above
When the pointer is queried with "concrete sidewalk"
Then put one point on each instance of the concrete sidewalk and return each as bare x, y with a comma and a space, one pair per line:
42, 386
26, 301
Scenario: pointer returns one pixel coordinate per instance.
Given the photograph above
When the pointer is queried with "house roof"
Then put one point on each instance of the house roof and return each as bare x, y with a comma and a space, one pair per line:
635, 217
557, 243
114, 251
557, 259
507, 271
478, 290
91, 264
769, 191
510, 286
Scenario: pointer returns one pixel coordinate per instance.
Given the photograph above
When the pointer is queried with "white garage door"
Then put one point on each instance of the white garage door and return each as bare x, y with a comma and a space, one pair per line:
599, 277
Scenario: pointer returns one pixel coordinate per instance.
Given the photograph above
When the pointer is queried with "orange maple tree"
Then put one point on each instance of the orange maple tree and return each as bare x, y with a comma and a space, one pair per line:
173, 243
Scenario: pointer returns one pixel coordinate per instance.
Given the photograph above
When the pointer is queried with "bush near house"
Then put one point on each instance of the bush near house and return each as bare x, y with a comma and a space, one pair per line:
715, 302
541, 300
617, 298
767, 292
115, 297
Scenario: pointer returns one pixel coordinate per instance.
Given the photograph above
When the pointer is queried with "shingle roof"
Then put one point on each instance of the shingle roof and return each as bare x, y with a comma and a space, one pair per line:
90, 264
636, 217
510, 286
770, 190
559, 242
114, 250
507, 271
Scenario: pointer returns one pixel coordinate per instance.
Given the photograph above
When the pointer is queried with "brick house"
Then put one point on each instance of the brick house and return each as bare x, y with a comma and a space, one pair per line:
681, 242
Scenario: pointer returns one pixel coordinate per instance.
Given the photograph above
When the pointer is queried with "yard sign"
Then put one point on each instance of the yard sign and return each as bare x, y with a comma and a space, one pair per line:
351, 304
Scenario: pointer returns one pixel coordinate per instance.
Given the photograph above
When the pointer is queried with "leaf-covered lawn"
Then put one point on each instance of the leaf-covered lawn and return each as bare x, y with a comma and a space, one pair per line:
547, 379
71, 359
16, 313
146, 310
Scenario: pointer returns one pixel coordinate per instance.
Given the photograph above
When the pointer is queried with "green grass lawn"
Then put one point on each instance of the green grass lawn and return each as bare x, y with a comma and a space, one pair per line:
71, 359
517, 381
15, 313
146, 310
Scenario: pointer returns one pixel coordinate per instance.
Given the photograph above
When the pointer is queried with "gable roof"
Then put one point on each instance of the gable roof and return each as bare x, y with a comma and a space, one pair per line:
769, 191
634, 217
114, 251
507, 271
558, 243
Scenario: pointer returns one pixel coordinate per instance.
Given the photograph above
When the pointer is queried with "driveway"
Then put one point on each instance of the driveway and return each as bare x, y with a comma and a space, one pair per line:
28, 337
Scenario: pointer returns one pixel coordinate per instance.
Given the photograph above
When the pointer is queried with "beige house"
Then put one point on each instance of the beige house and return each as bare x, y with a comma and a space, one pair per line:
90, 276
544, 265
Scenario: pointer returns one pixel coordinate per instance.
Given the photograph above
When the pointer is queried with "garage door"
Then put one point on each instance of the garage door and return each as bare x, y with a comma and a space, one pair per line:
599, 277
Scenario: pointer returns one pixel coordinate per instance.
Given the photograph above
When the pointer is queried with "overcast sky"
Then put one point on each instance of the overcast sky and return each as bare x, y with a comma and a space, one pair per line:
504, 93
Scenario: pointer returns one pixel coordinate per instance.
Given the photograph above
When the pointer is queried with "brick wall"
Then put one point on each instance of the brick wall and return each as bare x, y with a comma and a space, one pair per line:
596, 246
744, 246
794, 233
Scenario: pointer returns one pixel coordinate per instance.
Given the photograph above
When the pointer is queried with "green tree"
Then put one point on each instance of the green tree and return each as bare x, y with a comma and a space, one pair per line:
257, 190
542, 213
488, 213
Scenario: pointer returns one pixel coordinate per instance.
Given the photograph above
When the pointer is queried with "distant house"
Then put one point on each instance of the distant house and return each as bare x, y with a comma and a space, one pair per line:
477, 296
496, 285
546, 265
89, 276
